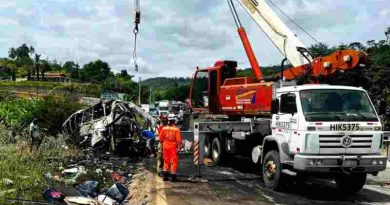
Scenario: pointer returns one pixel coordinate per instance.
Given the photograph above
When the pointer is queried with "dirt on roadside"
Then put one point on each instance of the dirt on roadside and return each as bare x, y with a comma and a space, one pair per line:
142, 187
147, 188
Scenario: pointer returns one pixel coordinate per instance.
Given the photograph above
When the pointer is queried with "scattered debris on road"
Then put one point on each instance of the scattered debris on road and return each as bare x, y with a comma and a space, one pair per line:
92, 178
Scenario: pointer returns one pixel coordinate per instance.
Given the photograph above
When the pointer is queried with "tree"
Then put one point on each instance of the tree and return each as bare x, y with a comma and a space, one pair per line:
96, 71
37, 61
123, 74
22, 51
22, 57
320, 49
357, 46
72, 69
8, 68
45, 66
55, 66
122, 84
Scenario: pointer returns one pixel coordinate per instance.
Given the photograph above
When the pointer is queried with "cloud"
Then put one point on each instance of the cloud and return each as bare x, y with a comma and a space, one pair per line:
385, 13
7, 22
174, 38
7, 4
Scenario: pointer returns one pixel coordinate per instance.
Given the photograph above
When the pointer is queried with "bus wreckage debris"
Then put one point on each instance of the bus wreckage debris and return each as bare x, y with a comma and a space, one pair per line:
109, 125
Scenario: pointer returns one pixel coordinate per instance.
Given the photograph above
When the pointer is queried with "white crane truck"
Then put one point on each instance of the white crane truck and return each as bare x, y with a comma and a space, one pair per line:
311, 129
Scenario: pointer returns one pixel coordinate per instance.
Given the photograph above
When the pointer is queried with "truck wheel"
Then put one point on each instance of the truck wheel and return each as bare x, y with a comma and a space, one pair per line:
217, 150
207, 149
272, 168
351, 183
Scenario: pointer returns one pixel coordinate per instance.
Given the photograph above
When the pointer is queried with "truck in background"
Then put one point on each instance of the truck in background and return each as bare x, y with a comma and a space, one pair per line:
145, 107
163, 107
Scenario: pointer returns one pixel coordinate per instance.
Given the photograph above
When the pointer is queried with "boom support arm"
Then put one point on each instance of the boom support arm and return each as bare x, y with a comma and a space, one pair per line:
341, 60
280, 35
246, 43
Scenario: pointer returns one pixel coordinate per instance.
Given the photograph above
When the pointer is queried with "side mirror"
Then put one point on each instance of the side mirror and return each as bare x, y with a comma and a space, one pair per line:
275, 106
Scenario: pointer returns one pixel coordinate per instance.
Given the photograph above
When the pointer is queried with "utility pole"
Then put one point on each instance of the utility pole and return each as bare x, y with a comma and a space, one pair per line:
139, 91
387, 33
150, 95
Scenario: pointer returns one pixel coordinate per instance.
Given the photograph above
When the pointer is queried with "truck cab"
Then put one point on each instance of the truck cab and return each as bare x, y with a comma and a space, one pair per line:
325, 129
163, 107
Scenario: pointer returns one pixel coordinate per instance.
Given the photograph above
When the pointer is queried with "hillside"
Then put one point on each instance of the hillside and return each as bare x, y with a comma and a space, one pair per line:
163, 82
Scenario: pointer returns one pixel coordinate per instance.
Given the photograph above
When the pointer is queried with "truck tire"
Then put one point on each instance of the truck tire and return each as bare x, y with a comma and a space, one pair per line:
351, 183
207, 149
217, 150
272, 171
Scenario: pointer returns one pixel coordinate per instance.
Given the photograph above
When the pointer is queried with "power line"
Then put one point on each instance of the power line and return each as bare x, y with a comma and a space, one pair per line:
300, 27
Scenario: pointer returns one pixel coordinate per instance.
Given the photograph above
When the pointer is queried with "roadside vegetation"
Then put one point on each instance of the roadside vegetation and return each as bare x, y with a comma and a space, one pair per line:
51, 88
22, 171
51, 112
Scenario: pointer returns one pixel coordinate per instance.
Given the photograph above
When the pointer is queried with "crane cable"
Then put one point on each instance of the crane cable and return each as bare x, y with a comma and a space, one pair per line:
295, 23
137, 20
135, 51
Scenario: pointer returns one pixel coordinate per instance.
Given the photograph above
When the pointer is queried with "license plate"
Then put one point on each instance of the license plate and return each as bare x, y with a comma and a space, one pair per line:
349, 163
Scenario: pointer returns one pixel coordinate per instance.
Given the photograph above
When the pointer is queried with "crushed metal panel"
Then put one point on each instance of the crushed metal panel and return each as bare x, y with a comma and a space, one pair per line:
107, 123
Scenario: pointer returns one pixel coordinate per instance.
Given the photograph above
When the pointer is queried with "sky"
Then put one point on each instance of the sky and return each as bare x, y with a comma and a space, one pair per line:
175, 36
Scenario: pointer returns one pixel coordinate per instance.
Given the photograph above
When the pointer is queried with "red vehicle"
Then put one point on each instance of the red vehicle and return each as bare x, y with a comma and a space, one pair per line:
251, 96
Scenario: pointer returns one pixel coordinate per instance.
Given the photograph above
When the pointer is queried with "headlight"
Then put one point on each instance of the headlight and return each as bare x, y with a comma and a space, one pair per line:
374, 162
377, 141
312, 144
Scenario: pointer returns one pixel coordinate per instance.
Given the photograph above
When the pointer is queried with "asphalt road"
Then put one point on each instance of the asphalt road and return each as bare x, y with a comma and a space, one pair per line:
239, 182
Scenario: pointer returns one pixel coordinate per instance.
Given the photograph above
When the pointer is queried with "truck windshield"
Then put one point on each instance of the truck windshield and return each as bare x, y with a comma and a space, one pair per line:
337, 105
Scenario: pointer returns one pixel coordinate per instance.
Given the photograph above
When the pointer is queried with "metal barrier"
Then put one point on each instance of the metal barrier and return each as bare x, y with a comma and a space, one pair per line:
386, 141
199, 139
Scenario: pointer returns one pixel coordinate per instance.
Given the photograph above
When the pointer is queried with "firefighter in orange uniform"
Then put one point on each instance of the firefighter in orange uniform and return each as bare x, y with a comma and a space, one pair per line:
172, 142
160, 159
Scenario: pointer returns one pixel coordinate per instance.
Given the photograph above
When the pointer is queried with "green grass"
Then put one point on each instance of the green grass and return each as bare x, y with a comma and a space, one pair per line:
26, 169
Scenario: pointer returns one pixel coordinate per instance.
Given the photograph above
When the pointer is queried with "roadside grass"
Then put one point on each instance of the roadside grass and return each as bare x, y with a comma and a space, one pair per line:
22, 172
42, 87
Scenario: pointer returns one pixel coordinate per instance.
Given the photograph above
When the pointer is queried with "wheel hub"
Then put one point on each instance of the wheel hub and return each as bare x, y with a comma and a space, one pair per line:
215, 152
270, 170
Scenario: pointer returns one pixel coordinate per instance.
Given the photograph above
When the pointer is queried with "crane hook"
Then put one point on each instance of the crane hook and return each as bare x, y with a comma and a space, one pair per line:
137, 21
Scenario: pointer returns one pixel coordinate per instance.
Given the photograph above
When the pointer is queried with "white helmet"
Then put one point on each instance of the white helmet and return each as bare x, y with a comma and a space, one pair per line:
171, 117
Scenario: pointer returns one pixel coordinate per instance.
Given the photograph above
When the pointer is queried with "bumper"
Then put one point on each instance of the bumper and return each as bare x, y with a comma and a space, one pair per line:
332, 163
